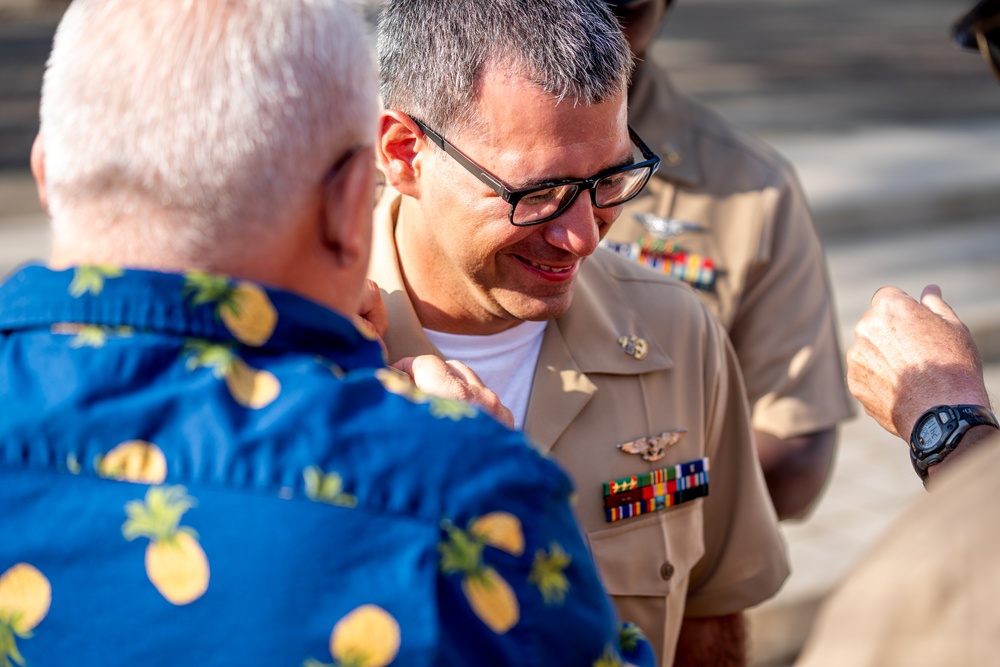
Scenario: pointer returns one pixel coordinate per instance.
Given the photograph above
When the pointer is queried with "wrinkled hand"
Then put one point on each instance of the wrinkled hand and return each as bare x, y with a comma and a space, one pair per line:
908, 357
453, 379
372, 318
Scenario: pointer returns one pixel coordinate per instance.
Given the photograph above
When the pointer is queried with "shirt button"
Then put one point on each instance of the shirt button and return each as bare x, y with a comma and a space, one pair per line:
667, 570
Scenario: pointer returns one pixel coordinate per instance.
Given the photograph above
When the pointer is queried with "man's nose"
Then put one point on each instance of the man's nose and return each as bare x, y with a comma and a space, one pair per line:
579, 229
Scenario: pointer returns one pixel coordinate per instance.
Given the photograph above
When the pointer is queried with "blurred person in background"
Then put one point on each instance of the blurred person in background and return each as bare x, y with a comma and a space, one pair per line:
202, 460
927, 593
505, 139
726, 214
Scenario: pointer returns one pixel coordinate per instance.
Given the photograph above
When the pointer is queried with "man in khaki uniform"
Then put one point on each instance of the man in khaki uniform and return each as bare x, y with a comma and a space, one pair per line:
927, 594
725, 214
509, 165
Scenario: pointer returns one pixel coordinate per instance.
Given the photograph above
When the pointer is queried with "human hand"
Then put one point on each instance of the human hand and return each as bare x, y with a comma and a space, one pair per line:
453, 379
909, 356
372, 318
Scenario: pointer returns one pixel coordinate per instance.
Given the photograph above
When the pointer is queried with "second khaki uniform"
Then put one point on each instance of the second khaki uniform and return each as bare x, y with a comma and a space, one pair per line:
709, 556
927, 593
746, 215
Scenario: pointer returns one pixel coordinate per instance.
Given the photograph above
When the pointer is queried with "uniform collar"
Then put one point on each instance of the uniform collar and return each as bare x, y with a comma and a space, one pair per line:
173, 304
663, 119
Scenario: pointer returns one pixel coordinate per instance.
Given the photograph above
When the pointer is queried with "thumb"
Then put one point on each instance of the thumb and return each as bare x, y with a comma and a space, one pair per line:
931, 299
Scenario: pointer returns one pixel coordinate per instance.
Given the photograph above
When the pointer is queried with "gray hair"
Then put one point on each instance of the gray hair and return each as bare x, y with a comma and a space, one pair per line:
217, 116
434, 53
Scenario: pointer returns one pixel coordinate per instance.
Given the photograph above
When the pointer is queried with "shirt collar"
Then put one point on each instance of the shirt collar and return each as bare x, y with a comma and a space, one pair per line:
193, 305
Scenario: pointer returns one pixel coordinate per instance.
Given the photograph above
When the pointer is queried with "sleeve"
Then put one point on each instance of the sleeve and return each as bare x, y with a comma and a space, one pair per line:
744, 561
519, 581
784, 331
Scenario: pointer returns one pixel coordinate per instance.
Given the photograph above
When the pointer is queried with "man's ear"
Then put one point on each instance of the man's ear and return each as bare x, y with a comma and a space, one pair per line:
38, 171
346, 212
399, 151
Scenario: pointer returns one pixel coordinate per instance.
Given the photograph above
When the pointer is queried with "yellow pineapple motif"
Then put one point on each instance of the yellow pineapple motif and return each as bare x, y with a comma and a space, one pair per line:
327, 487
449, 408
492, 599
490, 596
251, 388
175, 562
90, 335
244, 307
367, 637
548, 574
629, 636
91, 279
248, 386
610, 658
25, 596
501, 530
134, 461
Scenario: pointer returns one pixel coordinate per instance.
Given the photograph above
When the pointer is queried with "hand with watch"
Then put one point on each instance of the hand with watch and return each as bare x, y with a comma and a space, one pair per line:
909, 355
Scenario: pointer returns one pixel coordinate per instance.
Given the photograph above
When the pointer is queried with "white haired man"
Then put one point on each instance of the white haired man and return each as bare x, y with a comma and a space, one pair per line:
506, 142
198, 469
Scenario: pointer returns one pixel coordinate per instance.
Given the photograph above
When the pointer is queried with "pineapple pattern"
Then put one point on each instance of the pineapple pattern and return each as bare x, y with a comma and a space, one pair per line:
244, 307
248, 386
491, 597
134, 461
90, 279
25, 596
90, 335
548, 574
366, 637
198, 341
327, 487
175, 562
610, 658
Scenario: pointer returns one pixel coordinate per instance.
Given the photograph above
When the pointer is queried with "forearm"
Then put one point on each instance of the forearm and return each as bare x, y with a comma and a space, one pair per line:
795, 469
718, 641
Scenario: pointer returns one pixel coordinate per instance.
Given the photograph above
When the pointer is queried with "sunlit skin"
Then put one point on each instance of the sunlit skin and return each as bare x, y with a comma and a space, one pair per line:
467, 269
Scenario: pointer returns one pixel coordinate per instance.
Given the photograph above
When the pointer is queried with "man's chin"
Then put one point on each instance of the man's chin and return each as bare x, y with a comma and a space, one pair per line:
536, 309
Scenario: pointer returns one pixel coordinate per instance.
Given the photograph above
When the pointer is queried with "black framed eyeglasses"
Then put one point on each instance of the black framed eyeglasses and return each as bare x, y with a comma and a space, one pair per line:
547, 201
979, 30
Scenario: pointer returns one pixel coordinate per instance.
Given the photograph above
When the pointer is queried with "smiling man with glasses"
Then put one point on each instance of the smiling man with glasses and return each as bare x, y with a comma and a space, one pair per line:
506, 142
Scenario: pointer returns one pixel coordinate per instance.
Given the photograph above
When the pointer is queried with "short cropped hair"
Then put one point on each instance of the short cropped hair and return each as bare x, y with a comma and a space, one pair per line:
434, 53
216, 115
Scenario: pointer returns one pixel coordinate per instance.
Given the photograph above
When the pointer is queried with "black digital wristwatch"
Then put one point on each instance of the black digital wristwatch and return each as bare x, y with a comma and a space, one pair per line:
939, 430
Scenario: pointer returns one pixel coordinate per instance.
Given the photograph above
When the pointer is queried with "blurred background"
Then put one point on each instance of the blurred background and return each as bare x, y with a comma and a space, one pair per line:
895, 135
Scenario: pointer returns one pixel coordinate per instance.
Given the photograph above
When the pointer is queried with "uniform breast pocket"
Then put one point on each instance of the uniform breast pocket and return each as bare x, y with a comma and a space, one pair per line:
651, 555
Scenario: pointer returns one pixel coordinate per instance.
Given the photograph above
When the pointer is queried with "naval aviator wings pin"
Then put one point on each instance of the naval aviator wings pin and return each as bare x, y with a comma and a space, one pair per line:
654, 447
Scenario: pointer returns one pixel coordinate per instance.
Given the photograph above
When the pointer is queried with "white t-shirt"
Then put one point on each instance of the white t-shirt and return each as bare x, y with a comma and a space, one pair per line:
505, 361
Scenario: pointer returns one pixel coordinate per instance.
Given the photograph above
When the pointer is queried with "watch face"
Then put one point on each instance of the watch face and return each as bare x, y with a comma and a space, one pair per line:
930, 433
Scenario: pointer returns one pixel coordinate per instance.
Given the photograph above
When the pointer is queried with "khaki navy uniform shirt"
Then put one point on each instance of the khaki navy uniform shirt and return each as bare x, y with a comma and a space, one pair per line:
709, 556
770, 288
927, 594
